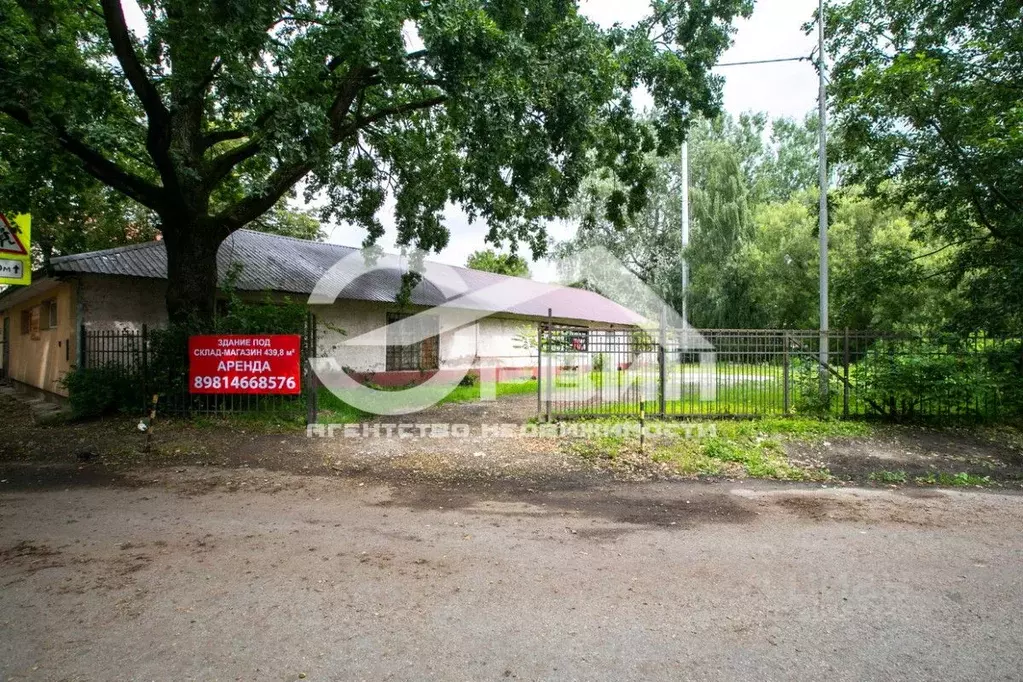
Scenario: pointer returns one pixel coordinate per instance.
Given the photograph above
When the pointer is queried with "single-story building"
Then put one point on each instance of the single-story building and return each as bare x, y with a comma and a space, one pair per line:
124, 288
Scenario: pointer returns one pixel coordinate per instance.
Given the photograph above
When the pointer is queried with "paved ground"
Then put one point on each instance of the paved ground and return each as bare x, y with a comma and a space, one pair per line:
233, 574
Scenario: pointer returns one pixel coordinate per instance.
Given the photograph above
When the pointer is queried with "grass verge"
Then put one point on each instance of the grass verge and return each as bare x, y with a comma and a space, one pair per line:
737, 449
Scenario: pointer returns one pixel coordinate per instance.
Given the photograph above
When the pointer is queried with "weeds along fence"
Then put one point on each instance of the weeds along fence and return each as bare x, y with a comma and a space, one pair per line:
745, 373
140, 363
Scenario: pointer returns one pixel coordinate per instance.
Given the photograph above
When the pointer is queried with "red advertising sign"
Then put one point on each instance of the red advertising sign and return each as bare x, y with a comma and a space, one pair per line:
250, 363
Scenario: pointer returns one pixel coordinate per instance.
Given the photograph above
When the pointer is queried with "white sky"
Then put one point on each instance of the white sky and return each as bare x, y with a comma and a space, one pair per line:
786, 89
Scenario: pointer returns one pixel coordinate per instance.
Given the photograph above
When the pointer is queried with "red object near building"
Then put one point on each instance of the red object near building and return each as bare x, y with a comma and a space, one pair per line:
245, 363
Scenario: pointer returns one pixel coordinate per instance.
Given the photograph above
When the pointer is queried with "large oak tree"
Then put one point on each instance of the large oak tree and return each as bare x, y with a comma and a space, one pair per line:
213, 110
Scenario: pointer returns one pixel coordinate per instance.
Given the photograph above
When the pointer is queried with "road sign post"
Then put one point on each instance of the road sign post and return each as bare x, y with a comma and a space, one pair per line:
16, 249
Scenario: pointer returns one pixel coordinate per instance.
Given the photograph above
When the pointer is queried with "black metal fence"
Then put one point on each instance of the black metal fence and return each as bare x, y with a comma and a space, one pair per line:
736, 373
141, 356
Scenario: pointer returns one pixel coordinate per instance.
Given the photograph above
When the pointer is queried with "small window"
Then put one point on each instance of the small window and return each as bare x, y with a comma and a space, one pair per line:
48, 314
26, 321
419, 355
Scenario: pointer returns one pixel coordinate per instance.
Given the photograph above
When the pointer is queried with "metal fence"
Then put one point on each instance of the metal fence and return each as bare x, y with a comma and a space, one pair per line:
143, 362
745, 373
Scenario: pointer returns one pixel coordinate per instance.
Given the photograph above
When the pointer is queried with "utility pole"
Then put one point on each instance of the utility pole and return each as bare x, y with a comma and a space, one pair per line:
685, 233
823, 227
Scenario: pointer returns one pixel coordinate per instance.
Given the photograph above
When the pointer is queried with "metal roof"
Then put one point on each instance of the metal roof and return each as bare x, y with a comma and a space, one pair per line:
286, 264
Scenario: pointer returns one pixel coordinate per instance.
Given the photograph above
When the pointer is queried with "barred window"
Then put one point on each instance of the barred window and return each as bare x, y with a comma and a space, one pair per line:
418, 355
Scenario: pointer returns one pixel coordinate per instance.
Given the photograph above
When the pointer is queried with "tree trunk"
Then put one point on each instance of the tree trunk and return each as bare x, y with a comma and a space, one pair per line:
192, 274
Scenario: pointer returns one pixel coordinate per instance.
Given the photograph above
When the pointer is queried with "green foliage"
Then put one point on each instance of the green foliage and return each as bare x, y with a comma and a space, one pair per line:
927, 110
500, 263
888, 476
289, 222
902, 380
960, 480
753, 449
212, 112
99, 391
979, 377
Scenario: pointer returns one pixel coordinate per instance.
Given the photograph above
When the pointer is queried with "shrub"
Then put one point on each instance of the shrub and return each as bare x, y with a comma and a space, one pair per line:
906, 379
98, 391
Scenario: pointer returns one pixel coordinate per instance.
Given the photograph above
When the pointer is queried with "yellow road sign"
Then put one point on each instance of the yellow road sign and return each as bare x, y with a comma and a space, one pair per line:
16, 249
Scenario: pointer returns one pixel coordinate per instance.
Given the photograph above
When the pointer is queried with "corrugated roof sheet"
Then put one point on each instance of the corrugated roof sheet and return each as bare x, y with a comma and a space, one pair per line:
286, 264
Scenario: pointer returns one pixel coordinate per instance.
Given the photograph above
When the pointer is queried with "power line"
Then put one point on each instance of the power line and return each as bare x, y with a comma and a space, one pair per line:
766, 61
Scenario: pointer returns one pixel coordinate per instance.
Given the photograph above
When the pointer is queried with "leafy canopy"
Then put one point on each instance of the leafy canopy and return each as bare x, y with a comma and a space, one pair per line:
215, 110
489, 260
927, 105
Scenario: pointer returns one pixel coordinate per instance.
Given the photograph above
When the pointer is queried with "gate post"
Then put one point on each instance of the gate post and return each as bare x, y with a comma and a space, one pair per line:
145, 364
786, 399
539, 369
845, 373
550, 372
661, 368
312, 381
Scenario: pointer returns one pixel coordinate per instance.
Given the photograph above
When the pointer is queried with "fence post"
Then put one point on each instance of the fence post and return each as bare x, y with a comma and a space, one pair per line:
145, 364
845, 373
661, 368
312, 402
786, 398
539, 369
550, 373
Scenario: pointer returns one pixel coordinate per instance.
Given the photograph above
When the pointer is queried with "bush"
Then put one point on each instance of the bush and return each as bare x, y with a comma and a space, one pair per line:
98, 391
907, 379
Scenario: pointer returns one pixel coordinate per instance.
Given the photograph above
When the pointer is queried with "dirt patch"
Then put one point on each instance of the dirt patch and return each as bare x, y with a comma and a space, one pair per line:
916, 452
110, 452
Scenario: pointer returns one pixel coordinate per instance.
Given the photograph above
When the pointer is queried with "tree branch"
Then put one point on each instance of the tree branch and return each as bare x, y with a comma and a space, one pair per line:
98, 166
251, 207
129, 60
398, 110
159, 134
215, 137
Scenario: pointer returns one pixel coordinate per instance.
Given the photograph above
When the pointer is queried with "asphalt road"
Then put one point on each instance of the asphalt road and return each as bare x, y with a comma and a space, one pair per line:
226, 575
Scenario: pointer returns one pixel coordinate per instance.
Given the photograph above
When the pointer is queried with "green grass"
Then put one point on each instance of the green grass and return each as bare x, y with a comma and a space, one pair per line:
962, 479
334, 410
465, 394
888, 476
741, 449
263, 422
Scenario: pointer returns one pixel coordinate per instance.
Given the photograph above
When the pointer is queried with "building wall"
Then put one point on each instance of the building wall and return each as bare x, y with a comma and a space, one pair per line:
489, 341
122, 303
40, 359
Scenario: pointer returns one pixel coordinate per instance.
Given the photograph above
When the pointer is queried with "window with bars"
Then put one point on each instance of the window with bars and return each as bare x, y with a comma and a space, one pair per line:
419, 355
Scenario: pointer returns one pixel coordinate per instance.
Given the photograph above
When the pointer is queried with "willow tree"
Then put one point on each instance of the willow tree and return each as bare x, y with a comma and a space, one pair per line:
207, 112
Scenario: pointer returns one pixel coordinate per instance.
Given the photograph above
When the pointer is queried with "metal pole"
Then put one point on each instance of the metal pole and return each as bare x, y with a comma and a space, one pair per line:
823, 228
685, 235
662, 375
550, 369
